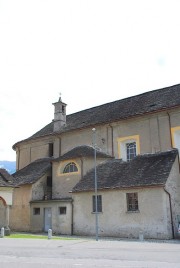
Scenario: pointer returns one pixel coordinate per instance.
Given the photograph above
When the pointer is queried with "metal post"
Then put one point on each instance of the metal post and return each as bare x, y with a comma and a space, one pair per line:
95, 182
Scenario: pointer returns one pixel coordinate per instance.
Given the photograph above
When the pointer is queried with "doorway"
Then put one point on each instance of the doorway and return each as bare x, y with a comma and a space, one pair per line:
47, 219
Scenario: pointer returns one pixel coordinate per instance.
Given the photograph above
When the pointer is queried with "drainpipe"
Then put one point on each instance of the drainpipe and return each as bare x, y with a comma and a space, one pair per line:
112, 141
59, 146
81, 168
72, 217
18, 158
170, 129
170, 206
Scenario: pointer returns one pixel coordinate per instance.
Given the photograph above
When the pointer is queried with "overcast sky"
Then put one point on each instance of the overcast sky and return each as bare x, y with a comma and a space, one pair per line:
93, 52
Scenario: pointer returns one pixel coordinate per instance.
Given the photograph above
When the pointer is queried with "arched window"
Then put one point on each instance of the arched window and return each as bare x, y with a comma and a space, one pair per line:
71, 167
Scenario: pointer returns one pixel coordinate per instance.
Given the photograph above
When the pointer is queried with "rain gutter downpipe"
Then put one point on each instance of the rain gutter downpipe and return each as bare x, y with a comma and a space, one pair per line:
170, 206
112, 141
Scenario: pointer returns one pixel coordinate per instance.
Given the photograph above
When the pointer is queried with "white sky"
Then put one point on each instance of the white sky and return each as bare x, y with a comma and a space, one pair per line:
93, 52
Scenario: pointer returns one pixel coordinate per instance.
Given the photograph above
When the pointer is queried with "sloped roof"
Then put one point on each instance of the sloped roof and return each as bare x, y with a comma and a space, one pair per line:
6, 180
32, 172
82, 151
149, 102
143, 170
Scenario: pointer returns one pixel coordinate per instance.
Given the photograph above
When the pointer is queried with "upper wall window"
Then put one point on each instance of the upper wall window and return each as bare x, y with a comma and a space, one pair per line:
51, 153
71, 167
176, 137
130, 150
128, 147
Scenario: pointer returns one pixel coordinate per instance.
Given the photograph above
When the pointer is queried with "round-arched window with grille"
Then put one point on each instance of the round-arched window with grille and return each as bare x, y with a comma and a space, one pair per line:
70, 167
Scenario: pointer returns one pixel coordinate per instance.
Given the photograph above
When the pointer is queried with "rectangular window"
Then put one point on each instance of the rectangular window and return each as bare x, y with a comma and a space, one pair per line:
132, 201
62, 210
51, 149
130, 150
36, 211
99, 203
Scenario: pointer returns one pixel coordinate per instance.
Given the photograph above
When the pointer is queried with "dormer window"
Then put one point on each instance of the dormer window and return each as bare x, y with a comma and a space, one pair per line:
130, 150
70, 167
128, 147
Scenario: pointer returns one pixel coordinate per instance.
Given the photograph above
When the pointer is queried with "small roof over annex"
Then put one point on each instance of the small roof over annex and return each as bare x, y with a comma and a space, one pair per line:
142, 171
32, 172
6, 180
82, 151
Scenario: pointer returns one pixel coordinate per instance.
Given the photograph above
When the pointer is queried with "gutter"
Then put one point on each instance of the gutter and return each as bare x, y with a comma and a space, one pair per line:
170, 205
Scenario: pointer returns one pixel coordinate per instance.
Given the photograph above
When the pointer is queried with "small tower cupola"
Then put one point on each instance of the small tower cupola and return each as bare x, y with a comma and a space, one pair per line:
59, 114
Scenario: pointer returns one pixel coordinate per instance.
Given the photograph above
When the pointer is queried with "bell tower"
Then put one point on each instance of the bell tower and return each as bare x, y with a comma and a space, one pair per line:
59, 114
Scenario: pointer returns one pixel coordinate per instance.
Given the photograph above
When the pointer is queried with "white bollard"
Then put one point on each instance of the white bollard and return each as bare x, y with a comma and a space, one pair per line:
141, 236
2, 232
49, 233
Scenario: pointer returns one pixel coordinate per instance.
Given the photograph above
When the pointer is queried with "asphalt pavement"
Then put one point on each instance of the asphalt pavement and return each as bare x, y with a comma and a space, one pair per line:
37, 253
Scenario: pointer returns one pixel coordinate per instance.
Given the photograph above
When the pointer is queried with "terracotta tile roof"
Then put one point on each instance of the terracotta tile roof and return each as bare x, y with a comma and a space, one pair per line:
6, 180
144, 170
82, 151
32, 172
149, 102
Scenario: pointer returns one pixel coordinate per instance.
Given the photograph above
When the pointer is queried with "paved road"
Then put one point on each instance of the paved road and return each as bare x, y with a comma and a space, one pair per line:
37, 253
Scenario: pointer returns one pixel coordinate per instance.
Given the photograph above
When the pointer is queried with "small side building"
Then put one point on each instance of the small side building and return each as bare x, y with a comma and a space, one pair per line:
6, 196
141, 195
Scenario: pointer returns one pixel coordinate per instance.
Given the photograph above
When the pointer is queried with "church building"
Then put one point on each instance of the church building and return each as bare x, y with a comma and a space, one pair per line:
118, 161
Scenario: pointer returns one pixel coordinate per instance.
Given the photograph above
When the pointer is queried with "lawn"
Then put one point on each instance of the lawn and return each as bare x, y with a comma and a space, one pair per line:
34, 236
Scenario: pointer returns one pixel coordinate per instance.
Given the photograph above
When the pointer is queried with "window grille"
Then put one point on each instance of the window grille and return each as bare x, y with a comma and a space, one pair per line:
71, 167
132, 201
36, 211
99, 203
131, 150
62, 210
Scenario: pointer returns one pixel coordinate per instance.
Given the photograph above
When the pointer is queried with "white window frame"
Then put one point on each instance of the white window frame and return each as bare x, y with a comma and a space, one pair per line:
122, 142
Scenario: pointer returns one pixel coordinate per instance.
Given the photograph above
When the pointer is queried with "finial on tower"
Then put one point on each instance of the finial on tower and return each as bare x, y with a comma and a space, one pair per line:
60, 94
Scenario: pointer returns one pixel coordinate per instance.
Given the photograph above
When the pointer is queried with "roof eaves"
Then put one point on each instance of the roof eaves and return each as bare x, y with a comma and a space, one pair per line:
155, 185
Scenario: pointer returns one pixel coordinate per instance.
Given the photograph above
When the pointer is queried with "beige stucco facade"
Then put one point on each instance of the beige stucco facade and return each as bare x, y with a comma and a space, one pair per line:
6, 199
152, 219
60, 223
7, 194
20, 210
154, 135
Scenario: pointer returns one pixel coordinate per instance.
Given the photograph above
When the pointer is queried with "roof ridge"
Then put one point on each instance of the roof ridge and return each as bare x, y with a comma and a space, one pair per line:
126, 98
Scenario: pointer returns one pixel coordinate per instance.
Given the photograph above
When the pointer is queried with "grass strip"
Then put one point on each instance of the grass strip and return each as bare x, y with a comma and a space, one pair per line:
34, 236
